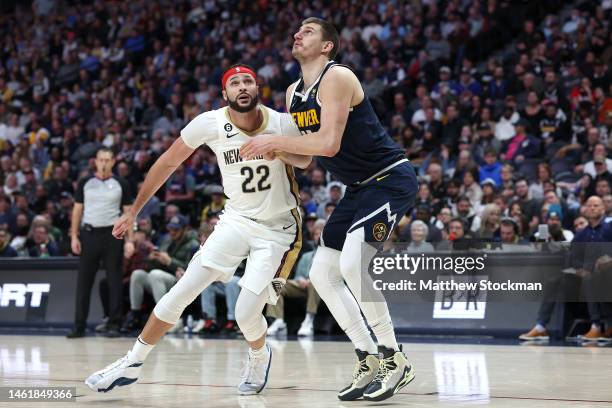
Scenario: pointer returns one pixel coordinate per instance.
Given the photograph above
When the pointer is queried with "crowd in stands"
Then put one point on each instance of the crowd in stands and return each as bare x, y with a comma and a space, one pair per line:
505, 109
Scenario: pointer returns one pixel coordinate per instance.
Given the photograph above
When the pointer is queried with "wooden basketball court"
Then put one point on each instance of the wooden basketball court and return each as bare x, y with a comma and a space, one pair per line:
194, 372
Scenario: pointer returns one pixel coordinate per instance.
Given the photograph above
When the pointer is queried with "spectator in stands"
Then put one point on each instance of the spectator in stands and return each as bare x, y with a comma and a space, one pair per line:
564, 285
300, 287
507, 178
335, 193
216, 205
457, 239
510, 233
165, 266
443, 218
467, 84
602, 187
424, 196
599, 151
6, 251
601, 174
516, 213
584, 259
329, 209
452, 194
40, 243
533, 112
491, 169
444, 86
230, 290
308, 230
437, 185
310, 206
22, 228
317, 186
529, 206
536, 189
489, 224
488, 192
135, 257
554, 125
498, 87
556, 232
486, 142
180, 189
423, 212
418, 234
470, 188
21, 204
522, 145
466, 213
607, 199
7, 217
580, 223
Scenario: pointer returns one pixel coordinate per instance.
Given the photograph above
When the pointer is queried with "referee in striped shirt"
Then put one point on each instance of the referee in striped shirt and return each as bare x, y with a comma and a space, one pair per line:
99, 201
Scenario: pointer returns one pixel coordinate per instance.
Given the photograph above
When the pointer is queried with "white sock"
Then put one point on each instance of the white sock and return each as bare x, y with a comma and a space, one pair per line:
260, 352
309, 318
539, 327
385, 335
140, 351
371, 302
360, 336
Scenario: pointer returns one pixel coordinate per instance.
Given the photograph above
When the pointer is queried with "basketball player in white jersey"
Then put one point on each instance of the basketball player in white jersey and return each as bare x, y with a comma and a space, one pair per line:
261, 223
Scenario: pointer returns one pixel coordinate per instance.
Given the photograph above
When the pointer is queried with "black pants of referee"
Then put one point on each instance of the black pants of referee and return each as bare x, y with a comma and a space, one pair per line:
98, 244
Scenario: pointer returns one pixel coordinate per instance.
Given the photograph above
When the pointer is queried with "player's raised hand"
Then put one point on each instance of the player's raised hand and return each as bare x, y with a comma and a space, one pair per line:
258, 146
122, 225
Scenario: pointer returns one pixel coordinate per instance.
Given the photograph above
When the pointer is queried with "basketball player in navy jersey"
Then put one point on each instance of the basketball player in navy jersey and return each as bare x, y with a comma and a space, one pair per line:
339, 126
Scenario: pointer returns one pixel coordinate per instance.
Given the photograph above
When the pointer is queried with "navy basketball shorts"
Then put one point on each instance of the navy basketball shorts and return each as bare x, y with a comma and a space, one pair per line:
376, 206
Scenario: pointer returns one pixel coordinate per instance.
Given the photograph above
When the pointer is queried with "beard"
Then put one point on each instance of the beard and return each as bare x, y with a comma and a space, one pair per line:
243, 109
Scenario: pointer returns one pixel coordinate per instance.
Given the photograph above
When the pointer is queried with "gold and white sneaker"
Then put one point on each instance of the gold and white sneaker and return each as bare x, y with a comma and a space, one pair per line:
365, 371
394, 373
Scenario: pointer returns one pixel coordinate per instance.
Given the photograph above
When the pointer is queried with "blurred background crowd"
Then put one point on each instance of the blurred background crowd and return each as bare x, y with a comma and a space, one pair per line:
504, 107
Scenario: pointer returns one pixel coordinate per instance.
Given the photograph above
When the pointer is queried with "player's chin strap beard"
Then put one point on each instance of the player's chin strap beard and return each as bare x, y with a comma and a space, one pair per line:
243, 109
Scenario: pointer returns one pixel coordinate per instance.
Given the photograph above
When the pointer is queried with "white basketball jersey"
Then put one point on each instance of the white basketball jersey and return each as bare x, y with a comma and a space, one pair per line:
257, 189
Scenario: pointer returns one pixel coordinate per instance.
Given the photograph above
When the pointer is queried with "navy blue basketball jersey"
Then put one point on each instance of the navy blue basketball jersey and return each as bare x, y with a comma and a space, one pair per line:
366, 147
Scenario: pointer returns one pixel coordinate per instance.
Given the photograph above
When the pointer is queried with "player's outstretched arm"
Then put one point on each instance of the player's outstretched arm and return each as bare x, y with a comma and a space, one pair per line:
157, 175
296, 160
335, 92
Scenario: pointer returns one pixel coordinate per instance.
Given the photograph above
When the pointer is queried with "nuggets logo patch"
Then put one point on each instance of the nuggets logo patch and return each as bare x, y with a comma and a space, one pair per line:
379, 231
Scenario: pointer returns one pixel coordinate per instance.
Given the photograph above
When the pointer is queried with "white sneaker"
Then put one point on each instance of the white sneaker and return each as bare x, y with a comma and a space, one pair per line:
255, 373
177, 328
306, 329
197, 327
278, 326
118, 374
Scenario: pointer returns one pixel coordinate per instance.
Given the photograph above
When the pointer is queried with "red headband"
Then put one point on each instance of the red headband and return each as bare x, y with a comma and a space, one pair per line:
241, 69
